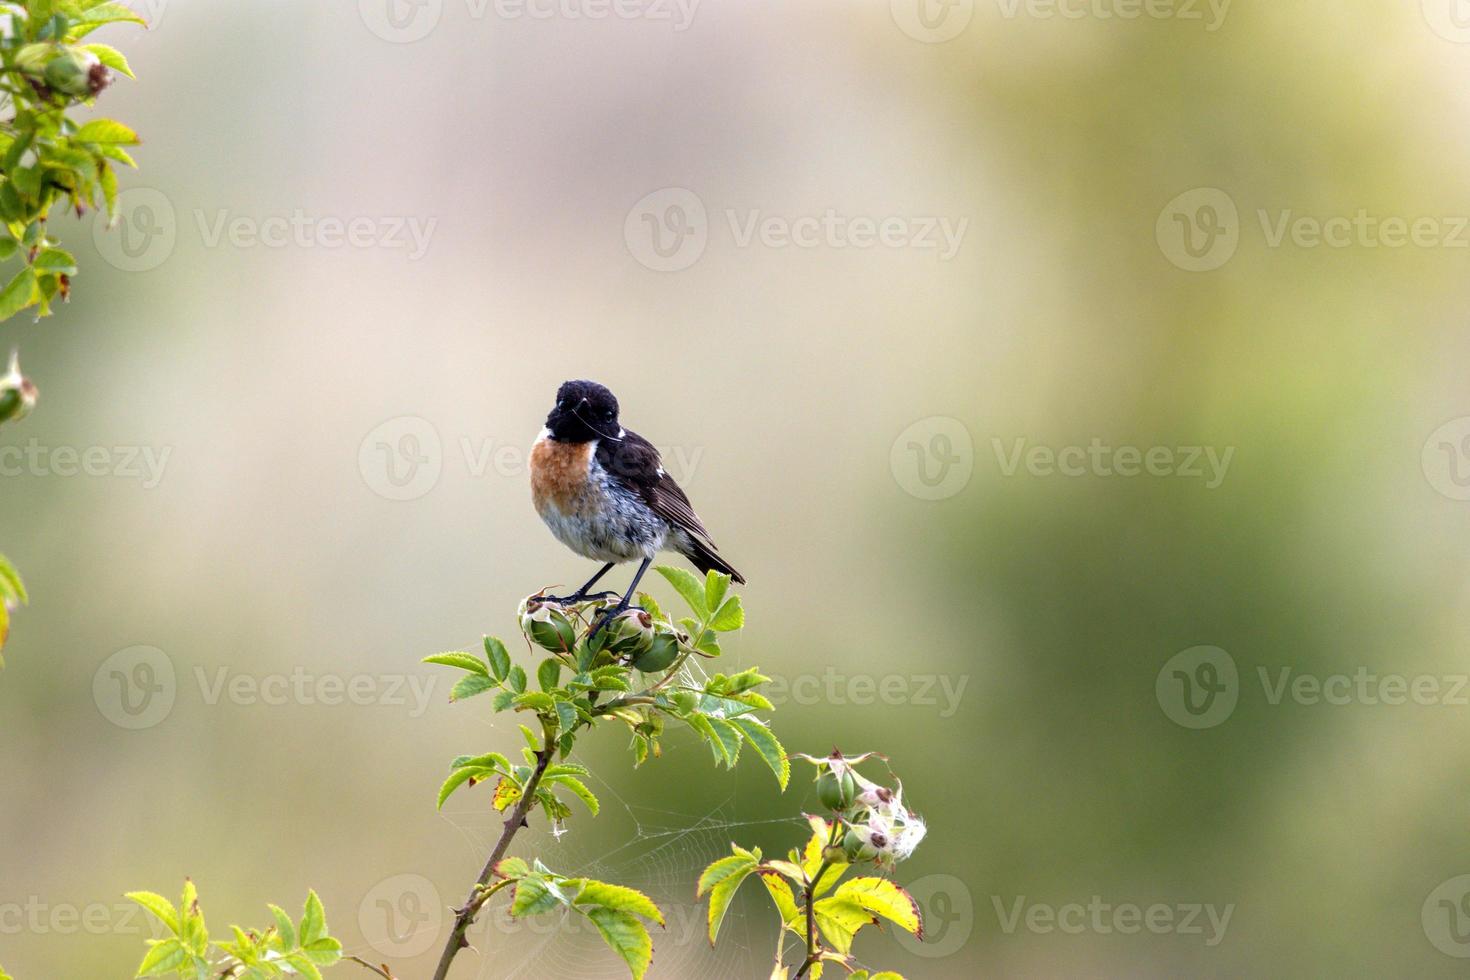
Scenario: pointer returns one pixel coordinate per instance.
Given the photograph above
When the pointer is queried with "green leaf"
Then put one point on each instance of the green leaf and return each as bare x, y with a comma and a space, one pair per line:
688, 586
769, 748
618, 897
107, 180
490, 760
579, 788
533, 896
313, 920
464, 661
105, 131
566, 715
548, 675
8, 247
721, 879
301, 964
56, 261
163, 957
882, 897
470, 685
324, 952
731, 616
516, 679
535, 700
111, 57
159, 907
627, 937
456, 779
495, 652
512, 867
285, 928
16, 295
715, 587
105, 13
727, 739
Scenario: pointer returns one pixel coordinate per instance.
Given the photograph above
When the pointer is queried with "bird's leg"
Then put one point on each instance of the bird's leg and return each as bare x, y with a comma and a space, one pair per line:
606, 615
581, 595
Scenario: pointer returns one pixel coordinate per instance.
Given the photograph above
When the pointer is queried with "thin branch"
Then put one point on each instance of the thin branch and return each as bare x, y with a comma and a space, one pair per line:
381, 971
465, 915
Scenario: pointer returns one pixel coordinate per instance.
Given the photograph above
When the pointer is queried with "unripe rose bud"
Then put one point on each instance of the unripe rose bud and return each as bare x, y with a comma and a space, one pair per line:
660, 653
547, 625
17, 394
76, 71
630, 633
836, 790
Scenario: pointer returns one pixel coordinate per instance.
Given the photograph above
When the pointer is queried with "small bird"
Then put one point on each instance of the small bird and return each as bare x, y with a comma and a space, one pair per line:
604, 493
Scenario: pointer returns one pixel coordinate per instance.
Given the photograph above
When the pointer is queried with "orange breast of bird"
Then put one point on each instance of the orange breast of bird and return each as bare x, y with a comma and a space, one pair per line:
560, 476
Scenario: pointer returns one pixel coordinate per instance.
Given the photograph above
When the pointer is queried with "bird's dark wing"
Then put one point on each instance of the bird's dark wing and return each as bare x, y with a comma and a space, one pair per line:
634, 462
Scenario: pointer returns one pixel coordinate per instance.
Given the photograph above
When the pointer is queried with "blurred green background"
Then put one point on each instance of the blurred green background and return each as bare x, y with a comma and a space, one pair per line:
346, 422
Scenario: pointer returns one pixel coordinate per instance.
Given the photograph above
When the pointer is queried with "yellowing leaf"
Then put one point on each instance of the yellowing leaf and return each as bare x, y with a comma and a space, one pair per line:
883, 897
782, 895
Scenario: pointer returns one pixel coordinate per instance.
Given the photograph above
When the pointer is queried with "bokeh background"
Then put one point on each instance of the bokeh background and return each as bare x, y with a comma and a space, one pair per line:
344, 491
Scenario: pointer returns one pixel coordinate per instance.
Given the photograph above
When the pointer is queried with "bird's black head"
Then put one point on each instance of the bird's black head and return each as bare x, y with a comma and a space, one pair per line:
584, 411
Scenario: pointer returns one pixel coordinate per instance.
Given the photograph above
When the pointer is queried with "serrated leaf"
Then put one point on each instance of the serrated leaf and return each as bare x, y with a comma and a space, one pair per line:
498, 657
577, 787
464, 661
456, 779
535, 700
111, 57
324, 952
313, 920
782, 895
516, 678
723, 891
626, 936
727, 739
285, 928
882, 897
715, 587
618, 897
768, 746
159, 907
533, 896
839, 920
17, 294
566, 715
731, 616
690, 588
512, 867
163, 957
303, 965
470, 685
105, 131
548, 675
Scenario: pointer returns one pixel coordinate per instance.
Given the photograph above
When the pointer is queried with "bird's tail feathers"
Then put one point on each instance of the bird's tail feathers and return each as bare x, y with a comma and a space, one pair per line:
705, 558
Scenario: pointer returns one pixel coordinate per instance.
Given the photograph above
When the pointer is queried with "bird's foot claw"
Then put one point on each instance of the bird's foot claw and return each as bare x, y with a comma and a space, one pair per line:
576, 598
607, 615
